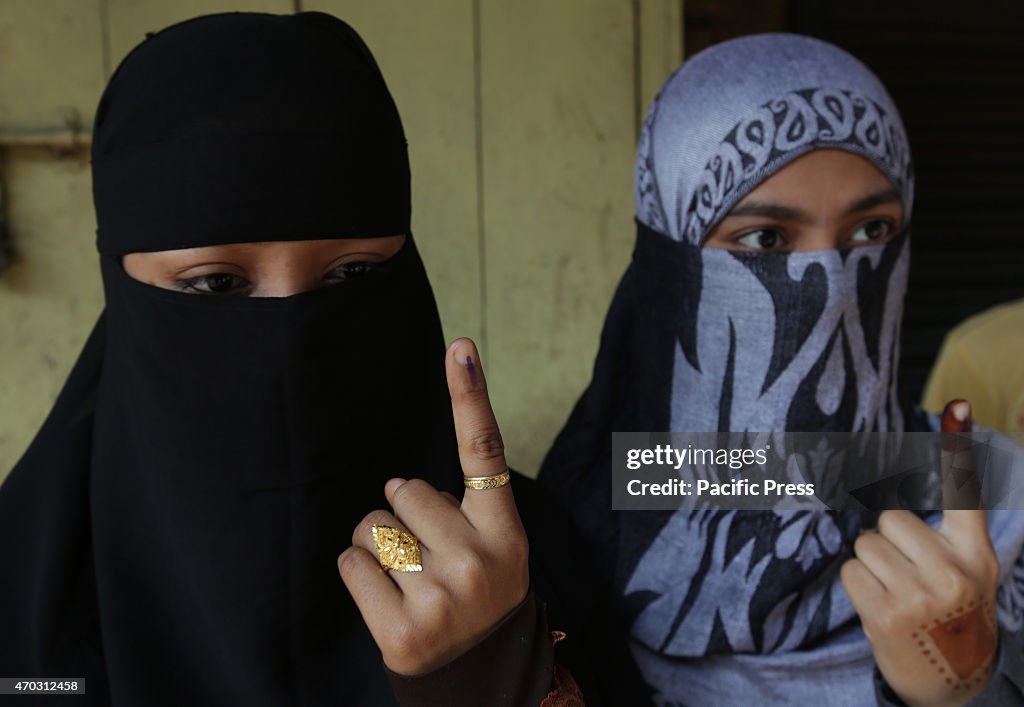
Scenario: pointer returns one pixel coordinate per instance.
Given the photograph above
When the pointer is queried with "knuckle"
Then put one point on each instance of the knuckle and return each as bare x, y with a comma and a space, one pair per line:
954, 583
485, 443
863, 544
847, 573
469, 572
476, 397
444, 617
430, 595
361, 530
410, 489
890, 520
919, 605
346, 562
990, 568
886, 621
364, 530
918, 586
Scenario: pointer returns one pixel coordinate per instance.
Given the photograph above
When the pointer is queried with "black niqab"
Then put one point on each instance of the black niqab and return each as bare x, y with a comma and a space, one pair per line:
171, 533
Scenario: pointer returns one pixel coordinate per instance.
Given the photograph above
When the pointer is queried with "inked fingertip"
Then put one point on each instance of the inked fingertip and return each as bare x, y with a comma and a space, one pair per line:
961, 410
956, 416
461, 348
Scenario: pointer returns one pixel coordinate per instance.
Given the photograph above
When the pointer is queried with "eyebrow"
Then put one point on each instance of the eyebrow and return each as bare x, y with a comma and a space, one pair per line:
781, 212
886, 196
763, 209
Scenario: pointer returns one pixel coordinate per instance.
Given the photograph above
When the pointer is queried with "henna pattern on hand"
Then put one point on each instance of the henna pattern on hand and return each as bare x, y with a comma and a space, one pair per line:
965, 638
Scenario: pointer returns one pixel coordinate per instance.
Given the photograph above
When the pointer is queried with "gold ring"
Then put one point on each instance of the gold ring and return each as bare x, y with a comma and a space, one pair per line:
483, 483
397, 549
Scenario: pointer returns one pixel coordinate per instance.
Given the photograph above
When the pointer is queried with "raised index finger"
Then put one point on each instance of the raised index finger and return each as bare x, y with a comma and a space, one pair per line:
963, 523
481, 450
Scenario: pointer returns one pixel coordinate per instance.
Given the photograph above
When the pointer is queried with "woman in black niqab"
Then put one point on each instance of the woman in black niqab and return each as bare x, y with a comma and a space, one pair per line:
171, 533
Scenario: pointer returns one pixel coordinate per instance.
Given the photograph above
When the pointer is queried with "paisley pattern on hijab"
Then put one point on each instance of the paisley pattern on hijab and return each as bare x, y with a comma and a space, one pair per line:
737, 112
776, 133
723, 604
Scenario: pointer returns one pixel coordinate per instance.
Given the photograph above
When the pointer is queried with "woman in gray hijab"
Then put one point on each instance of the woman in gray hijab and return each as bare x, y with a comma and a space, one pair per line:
774, 188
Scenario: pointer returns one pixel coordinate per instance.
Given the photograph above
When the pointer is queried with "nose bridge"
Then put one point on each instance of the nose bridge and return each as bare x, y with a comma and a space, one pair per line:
820, 234
283, 272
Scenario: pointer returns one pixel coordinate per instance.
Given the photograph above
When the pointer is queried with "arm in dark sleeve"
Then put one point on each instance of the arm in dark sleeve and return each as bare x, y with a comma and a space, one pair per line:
1005, 689
512, 667
579, 603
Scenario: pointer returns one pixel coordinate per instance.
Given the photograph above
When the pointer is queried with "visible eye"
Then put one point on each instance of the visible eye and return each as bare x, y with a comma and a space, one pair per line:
762, 239
219, 283
876, 230
349, 271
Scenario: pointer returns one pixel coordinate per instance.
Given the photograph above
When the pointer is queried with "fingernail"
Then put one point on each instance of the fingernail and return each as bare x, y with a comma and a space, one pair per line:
956, 418
465, 354
962, 411
393, 485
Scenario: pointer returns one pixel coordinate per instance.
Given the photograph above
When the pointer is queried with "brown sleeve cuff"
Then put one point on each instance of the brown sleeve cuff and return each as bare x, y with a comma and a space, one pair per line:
565, 692
511, 667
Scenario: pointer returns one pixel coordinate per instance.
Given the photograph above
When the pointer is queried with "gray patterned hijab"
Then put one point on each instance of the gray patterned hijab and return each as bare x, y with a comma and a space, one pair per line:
736, 113
728, 605
705, 144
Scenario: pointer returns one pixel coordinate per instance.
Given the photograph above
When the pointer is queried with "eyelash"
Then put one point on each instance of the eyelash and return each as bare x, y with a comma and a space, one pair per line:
890, 226
756, 231
196, 285
357, 269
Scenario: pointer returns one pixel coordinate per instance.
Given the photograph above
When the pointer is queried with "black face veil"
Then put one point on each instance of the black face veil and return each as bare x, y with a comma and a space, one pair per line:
171, 534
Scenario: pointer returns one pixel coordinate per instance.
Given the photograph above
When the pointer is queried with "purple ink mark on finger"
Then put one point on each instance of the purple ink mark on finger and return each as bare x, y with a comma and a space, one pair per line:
472, 370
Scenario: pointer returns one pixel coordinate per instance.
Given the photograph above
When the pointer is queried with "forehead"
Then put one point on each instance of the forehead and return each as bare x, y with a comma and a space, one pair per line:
274, 249
821, 177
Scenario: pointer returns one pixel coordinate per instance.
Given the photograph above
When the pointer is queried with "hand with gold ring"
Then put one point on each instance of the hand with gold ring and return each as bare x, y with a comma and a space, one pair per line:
435, 576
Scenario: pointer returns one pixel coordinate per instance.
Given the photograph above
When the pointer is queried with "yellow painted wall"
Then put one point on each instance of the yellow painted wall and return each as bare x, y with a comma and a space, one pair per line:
521, 116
